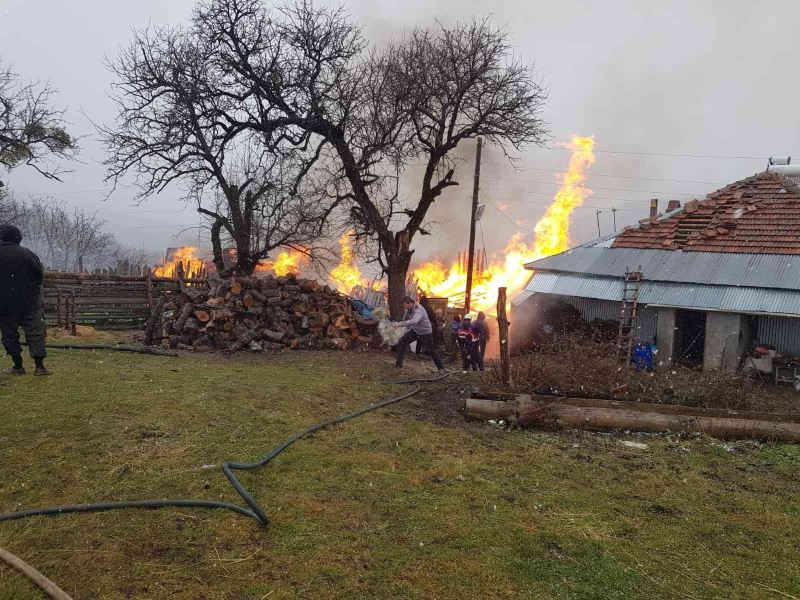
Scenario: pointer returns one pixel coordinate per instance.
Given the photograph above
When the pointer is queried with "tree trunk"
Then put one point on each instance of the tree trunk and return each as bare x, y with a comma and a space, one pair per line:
216, 245
397, 289
398, 260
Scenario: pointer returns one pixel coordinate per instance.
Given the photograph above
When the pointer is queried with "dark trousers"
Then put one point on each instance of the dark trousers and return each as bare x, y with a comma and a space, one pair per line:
425, 340
484, 340
32, 323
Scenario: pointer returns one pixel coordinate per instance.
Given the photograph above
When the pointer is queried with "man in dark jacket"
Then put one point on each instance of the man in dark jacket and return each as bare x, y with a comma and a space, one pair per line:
21, 301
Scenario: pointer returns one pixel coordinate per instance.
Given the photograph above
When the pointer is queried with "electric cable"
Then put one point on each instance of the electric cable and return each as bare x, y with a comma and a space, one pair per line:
254, 511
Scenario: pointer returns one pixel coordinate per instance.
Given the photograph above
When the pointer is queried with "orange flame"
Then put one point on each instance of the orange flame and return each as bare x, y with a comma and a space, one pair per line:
187, 256
551, 237
346, 275
288, 262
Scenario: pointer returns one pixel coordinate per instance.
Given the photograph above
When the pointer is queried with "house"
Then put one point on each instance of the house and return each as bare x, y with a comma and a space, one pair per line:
720, 275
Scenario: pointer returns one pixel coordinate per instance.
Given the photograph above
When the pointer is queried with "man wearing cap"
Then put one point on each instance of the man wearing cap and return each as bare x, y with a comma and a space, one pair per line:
420, 330
21, 305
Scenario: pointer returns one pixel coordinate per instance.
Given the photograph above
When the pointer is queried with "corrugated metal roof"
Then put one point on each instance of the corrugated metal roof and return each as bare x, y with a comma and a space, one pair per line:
779, 271
679, 295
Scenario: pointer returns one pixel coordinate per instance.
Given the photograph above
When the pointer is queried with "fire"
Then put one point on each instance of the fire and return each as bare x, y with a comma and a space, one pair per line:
346, 275
187, 256
551, 237
286, 263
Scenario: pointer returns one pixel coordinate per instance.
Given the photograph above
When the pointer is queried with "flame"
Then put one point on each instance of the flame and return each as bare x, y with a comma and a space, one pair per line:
187, 255
346, 275
551, 236
288, 262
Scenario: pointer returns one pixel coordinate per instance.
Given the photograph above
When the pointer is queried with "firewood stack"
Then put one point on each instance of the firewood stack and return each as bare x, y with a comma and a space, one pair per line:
246, 313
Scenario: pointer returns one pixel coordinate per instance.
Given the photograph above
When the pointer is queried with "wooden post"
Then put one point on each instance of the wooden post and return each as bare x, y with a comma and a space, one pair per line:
180, 272
59, 321
471, 256
502, 326
148, 280
73, 324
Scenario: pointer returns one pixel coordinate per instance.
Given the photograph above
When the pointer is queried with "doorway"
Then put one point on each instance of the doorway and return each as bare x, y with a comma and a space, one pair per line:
690, 337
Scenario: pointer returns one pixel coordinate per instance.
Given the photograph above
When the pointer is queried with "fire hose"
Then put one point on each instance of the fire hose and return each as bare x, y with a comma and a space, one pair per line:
254, 511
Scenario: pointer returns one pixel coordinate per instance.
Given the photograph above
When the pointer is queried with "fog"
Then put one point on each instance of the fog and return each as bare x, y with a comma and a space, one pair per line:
651, 81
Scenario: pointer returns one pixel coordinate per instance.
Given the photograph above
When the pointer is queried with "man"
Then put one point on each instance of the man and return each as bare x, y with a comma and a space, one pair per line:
483, 330
420, 330
20, 301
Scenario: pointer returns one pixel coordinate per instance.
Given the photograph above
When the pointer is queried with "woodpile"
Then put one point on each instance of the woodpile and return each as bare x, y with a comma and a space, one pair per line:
247, 313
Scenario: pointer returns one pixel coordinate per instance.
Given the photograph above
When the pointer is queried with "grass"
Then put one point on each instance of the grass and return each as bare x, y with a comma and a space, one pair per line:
408, 502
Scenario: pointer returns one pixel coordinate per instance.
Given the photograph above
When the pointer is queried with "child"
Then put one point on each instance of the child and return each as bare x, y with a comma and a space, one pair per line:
465, 343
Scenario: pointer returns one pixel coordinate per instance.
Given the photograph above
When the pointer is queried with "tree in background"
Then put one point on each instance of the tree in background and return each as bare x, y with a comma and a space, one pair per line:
32, 132
181, 120
306, 73
64, 240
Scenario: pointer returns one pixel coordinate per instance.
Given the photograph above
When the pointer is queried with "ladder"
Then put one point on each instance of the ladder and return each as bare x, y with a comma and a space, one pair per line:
628, 316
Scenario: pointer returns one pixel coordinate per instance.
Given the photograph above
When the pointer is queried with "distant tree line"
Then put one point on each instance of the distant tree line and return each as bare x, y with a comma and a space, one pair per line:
67, 240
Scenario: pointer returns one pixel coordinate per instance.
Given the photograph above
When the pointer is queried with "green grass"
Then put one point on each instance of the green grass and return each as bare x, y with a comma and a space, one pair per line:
402, 503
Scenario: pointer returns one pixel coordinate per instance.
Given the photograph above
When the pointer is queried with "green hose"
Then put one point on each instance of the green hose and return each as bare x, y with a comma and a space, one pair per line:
254, 511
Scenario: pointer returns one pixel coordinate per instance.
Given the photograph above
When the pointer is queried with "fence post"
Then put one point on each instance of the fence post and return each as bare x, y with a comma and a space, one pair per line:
148, 279
502, 326
73, 324
59, 321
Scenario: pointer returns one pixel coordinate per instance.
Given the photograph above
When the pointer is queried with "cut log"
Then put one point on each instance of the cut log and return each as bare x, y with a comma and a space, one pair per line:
202, 315
236, 287
186, 312
609, 414
274, 336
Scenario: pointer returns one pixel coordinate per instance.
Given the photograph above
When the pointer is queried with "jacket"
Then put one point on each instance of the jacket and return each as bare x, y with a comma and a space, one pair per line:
417, 320
21, 275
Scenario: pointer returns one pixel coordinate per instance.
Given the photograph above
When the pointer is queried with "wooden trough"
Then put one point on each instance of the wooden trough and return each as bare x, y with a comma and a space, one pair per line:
552, 411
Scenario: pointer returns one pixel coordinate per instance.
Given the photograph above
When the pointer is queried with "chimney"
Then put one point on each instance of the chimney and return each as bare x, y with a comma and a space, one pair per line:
673, 205
653, 207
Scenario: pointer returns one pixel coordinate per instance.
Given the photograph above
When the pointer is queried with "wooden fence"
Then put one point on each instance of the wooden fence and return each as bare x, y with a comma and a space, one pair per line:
105, 301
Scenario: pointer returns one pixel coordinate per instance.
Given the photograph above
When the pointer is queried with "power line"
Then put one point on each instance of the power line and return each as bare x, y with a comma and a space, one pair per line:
593, 174
613, 189
603, 151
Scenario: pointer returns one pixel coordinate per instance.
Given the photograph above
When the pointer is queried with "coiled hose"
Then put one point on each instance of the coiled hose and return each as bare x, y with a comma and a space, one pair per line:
254, 511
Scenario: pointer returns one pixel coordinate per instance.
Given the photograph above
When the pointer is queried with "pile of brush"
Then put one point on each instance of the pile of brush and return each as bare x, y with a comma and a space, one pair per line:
248, 313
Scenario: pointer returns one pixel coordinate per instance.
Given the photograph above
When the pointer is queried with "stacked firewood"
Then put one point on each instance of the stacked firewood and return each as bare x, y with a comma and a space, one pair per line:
247, 313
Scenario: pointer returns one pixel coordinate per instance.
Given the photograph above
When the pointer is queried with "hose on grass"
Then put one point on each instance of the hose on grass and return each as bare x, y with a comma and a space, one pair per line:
253, 510
42, 582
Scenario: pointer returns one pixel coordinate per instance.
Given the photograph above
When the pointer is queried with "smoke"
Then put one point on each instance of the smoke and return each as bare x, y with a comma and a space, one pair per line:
680, 77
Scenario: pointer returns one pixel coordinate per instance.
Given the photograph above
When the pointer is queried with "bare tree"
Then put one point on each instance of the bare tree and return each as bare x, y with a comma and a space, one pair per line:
180, 120
64, 241
32, 131
309, 69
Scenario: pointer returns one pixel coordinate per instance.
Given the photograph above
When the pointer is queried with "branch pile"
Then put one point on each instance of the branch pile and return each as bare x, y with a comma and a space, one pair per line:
245, 313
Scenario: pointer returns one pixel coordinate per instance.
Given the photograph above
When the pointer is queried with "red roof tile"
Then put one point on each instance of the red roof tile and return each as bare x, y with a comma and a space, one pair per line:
760, 214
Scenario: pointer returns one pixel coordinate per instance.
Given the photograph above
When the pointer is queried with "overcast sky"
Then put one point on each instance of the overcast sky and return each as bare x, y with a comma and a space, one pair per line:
647, 79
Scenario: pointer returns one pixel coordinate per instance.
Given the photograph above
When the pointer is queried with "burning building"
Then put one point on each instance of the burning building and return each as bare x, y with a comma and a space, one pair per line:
720, 275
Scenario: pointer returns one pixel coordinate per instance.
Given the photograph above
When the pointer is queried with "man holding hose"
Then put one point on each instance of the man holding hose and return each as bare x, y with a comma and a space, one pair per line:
420, 330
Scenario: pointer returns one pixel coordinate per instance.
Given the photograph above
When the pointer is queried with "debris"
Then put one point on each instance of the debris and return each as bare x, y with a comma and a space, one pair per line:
636, 445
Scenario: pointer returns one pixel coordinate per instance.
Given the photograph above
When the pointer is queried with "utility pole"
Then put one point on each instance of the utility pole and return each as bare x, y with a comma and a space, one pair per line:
471, 257
614, 214
597, 214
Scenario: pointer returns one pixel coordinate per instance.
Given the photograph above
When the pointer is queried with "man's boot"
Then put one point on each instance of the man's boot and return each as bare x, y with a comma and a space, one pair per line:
40, 368
17, 369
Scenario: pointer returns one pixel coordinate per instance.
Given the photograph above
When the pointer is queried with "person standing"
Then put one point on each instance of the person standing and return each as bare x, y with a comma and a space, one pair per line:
420, 330
465, 344
483, 333
21, 275
455, 326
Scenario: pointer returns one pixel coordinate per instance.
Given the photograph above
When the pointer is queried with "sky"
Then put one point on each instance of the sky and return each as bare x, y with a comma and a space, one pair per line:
675, 93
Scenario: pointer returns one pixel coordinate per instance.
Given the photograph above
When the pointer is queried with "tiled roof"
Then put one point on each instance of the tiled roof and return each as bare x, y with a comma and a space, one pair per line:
757, 215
